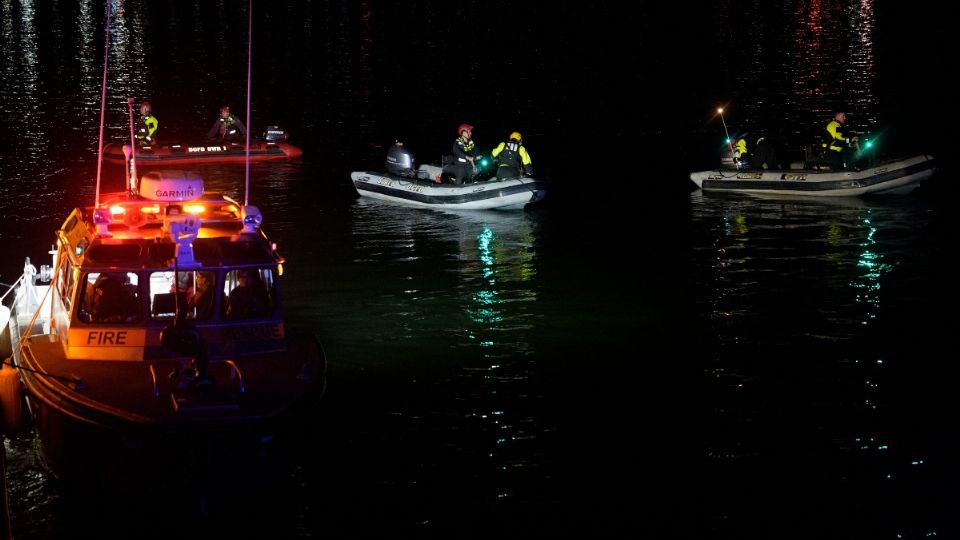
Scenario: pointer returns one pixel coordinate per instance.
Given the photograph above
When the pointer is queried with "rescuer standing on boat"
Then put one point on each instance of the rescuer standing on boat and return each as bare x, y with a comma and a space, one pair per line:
463, 154
227, 127
147, 126
513, 158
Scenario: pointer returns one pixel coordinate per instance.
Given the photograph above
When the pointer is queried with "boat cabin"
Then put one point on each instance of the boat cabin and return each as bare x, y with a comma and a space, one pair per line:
139, 262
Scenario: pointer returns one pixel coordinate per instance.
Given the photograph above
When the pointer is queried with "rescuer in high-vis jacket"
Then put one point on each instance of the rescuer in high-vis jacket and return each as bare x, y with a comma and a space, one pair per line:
514, 160
839, 147
146, 133
227, 127
463, 151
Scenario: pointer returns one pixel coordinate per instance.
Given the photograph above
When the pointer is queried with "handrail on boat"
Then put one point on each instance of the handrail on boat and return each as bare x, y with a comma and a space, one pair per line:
10, 289
236, 369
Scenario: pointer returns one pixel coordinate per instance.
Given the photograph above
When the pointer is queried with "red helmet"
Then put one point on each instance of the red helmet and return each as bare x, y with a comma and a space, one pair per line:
464, 127
224, 109
145, 106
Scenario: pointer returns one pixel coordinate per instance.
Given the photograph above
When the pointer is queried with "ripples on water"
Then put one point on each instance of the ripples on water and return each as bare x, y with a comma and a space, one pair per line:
819, 372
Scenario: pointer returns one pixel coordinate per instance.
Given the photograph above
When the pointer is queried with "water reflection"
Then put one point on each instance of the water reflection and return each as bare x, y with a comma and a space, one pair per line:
451, 298
806, 362
874, 268
762, 243
483, 262
831, 66
21, 79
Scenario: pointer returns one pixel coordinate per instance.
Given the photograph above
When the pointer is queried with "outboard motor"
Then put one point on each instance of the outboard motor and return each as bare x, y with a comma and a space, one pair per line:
400, 161
275, 134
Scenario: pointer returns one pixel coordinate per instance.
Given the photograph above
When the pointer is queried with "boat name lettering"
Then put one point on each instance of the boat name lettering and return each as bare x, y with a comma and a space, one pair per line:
386, 182
715, 177
412, 187
749, 176
250, 333
178, 194
205, 149
107, 337
794, 176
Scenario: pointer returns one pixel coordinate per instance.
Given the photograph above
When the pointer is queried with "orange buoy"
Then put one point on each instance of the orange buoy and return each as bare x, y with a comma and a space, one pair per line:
11, 399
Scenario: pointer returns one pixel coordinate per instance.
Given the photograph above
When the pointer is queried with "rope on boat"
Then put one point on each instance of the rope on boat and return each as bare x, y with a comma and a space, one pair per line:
74, 380
29, 327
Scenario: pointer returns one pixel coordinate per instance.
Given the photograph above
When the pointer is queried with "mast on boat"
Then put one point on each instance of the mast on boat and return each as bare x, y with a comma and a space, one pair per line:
103, 103
132, 170
246, 191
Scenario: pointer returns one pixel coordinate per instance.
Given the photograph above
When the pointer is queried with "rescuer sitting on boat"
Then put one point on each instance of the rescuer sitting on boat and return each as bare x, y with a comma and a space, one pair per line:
755, 151
200, 303
146, 133
114, 298
249, 299
227, 127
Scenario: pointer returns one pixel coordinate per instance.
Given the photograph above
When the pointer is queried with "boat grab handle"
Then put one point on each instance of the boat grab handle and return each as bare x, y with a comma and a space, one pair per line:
153, 375
236, 369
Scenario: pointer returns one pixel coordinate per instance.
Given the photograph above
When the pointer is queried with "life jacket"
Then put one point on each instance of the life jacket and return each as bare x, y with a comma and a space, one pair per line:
228, 129
146, 130
740, 152
835, 140
466, 146
510, 155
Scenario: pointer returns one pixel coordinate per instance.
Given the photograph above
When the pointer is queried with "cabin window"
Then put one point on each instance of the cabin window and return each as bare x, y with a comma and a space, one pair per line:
110, 297
249, 293
195, 292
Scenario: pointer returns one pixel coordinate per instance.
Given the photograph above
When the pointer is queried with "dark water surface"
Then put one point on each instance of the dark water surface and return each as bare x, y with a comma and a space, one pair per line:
626, 359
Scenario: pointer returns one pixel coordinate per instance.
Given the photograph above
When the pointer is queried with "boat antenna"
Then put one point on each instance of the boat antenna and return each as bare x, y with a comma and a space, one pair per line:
727, 133
103, 104
246, 191
132, 171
